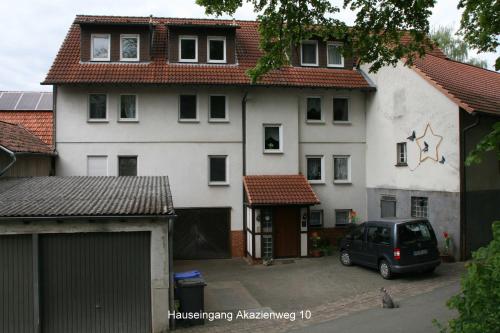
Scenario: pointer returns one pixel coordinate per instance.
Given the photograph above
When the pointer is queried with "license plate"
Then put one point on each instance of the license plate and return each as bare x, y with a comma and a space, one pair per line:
420, 252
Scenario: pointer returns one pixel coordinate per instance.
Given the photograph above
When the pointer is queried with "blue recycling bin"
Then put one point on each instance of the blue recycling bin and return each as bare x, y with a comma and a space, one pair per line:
189, 291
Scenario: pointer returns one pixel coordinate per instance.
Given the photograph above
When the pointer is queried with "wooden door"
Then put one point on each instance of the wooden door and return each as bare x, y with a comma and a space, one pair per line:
286, 231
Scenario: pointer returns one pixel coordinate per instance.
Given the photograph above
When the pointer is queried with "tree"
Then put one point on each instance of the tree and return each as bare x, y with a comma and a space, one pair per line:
454, 47
375, 37
491, 142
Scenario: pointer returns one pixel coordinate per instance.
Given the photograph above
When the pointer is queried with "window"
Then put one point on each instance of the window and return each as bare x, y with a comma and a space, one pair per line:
335, 58
388, 206
273, 139
128, 108
188, 48
216, 49
218, 108
218, 170
100, 47
188, 108
313, 105
127, 165
267, 246
342, 217
359, 232
401, 154
341, 169
409, 234
316, 218
340, 110
419, 206
309, 53
315, 169
129, 47
97, 107
267, 220
379, 235
97, 165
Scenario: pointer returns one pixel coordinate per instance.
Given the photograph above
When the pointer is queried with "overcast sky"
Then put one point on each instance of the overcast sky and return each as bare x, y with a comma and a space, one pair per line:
31, 31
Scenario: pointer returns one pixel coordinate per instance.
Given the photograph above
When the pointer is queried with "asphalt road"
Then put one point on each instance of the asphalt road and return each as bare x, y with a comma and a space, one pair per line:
414, 315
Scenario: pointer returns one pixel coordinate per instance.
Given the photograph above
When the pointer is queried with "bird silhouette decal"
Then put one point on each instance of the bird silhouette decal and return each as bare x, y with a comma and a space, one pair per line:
412, 136
442, 160
426, 147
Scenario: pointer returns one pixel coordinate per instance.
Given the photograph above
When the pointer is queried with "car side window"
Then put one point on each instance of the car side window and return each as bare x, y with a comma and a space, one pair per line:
379, 235
358, 233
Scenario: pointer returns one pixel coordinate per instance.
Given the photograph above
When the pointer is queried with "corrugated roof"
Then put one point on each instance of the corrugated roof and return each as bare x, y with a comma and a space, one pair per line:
85, 196
19, 140
279, 190
25, 100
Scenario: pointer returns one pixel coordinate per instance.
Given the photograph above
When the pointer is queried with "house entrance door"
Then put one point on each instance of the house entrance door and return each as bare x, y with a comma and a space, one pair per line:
286, 232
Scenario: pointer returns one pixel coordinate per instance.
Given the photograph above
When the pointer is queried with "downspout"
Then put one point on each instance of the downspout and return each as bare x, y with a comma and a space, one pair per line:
13, 158
463, 188
54, 128
244, 164
171, 300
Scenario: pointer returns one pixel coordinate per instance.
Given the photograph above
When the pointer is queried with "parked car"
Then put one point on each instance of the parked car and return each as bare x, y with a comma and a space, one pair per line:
392, 246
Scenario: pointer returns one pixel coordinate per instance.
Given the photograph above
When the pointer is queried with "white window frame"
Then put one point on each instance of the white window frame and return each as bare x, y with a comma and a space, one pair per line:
414, 209
401, 159
342, 122
189, 120
188, 37
321, 218
342, 181
315, 42
108, 36
342, 64
218, 183
122, 36
272, 151
216, 38
322, 104
218, 120
102, 156
130, 120
316, 181
99, 120
343, 210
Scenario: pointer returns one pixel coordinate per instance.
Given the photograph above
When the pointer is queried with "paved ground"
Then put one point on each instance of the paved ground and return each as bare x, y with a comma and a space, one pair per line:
320, 285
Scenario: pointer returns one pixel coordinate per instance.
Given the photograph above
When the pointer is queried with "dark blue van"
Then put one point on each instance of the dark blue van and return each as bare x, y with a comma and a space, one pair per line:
392, 246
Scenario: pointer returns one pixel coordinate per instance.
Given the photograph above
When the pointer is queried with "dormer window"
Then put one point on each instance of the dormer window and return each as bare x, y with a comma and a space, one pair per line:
100, 47
334, 56
309, 53
216, 49
188, 48
129, 47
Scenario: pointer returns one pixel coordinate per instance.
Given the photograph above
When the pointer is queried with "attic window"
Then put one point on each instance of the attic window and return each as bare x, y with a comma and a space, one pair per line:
335, 58
100, 47
309, 53
129, 47
216, 49
188, 48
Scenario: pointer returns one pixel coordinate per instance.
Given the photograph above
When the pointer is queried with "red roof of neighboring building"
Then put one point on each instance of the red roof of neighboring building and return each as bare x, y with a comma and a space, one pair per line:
471, 87
279, 190
67, 67
19, 140
40, 123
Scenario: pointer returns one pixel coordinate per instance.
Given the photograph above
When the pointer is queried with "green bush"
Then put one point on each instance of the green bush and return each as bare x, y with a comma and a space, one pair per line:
478, 303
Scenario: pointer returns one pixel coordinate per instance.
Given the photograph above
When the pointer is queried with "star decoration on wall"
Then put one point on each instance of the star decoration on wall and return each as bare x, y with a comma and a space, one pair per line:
429, 144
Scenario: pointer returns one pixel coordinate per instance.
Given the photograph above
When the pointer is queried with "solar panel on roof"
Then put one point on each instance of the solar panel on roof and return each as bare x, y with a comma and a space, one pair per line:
45, 102
9, 100
28, 101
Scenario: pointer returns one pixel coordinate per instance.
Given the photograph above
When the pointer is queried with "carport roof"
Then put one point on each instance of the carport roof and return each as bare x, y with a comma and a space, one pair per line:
61, 197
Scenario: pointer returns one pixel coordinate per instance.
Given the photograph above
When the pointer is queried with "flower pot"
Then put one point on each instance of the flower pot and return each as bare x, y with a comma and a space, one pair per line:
447, 258
316, 253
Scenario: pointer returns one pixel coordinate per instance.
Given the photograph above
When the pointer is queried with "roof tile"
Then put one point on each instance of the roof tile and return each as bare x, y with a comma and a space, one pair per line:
19, 140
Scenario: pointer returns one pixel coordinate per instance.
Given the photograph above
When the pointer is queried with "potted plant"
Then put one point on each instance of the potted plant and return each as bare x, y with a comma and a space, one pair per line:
315, 240
326, 247
446, 255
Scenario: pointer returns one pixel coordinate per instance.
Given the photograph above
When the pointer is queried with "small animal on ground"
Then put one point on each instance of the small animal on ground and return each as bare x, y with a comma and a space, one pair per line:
387, 301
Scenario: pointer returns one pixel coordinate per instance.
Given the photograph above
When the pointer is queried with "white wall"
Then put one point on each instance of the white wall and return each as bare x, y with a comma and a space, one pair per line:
403, 102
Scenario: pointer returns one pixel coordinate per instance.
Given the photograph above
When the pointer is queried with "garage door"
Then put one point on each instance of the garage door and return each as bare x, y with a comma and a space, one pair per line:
202, 233
96, 282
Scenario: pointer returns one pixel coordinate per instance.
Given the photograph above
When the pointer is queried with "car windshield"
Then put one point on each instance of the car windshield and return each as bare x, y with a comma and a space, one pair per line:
411, 233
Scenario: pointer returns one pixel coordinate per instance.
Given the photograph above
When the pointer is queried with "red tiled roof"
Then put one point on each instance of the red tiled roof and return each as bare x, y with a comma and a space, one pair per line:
68, 69
40, 123
471, 87
279, 190
19, 140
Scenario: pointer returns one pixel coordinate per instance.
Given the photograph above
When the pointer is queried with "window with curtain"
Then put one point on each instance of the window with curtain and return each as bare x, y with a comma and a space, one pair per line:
314, 108
128, 107
341, 169
335, 58
314, 168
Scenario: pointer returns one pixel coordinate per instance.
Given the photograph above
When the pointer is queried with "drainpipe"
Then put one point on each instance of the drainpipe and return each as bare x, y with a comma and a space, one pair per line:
463, 188
13, 158
171, 300
244, 162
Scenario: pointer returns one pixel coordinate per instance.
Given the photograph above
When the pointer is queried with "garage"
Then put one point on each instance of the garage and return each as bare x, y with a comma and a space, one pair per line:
202, 233
71, 269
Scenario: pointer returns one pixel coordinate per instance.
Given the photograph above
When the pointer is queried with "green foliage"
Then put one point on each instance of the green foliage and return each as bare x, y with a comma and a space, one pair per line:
375, 37
491, 142
480, 25
454, 47
478, 303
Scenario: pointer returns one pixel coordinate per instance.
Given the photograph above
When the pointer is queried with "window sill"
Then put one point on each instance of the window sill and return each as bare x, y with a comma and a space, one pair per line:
309, 65
216, 62
97, 121
128, 120
401, 165
188, 60
335, 66
100, 60
218, 121
129, 60
189, 120
316, 182
273, 152
315, 122
342, 182
218, 184
341, 122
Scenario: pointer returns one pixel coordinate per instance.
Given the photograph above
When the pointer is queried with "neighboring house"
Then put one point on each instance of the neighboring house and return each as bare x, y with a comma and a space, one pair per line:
154, 96
421, 124
32, 136
77, 257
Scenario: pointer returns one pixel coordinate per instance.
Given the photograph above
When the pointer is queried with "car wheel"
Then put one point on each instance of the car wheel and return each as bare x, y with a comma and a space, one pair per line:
385, 269
345, 258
